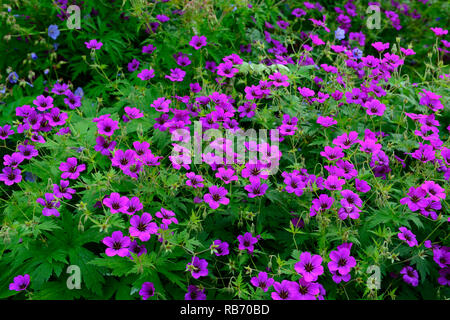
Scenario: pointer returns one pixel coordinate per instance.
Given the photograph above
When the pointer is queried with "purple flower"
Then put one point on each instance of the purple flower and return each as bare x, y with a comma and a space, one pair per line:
326, 121
107, 126
341, 260
197, 42
195, 293
362, 186
5, 132
20, 283
284, 290
279, 79
247, 241
141, 227
147, 290
444, 278
310, 267
104, 146
332, 153
146, 74
255, 188
133, 65
123, 159
305, 290
148, 49
43, 103
72, 100
13, 160
167, 216
62, 190
194, 180
321, 204
216, 197
198, 267
117, 244
262, 281
415, 198
226, 69
136, 249
220, 248
10, 176
116, 203
410, 275
176, 75
441, 256
71, 169
408, 236
50, 205
93, 44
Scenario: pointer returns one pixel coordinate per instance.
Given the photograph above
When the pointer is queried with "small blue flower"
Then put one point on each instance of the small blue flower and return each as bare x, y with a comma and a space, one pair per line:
357, 53
53, 31
12, 77
339, 34
55, 46
28, 176
79, 92
34, 56
46, 71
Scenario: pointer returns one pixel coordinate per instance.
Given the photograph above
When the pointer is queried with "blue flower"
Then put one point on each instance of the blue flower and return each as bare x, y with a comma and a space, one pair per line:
53, 31
79, 92
55, 46
357, 53
34, 56
12, 77
339, 34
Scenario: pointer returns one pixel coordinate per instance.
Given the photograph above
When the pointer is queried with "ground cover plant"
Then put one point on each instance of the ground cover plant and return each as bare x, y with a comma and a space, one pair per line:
224, 150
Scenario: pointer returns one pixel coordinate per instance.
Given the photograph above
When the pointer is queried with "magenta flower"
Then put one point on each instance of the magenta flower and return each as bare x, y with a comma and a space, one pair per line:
147, 290
408, 236
279, 79
13, 160
62, 190
117, 244
50, 205
321, 204
410, 275
198, 267
10, 176
220, 248
226, 175
93, 44
262, 281
305, 290
195, 293
167, 216
341, 260
332, 153
146, 74
176, 75
310, 267
439, 31
107, 126
255, 188
247, 242
133, 113
286, 290
141, 227
5, 132
197, 42
123, 159
374, 107
326, 121
116, 203
226, 69
216, 197
415, 198
194, 180
345, 141
28, 151
104, 146
148, 49
20, 283
43, 103
71, 169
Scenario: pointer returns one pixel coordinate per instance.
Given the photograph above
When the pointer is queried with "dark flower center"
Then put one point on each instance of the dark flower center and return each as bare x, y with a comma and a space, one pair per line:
216, 197
117, 245
342, 262
309, 267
